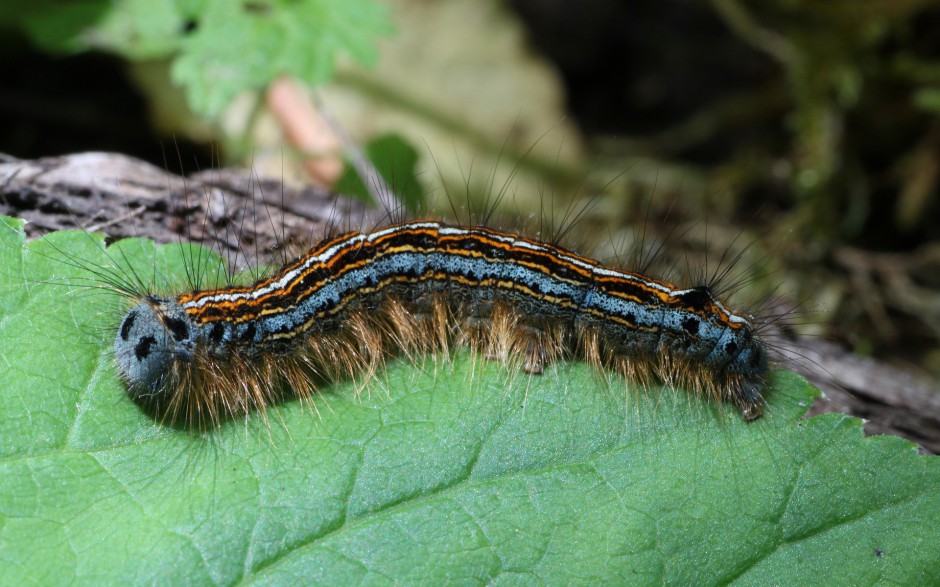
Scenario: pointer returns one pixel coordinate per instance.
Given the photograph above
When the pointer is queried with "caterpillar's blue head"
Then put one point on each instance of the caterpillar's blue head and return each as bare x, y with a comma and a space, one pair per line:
154, 335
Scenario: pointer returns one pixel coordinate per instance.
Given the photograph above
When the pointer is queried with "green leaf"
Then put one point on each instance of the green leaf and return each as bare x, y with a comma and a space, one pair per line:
240, 46
445, 472
142, 29
396, 161
221, 47
135, 29
53, 25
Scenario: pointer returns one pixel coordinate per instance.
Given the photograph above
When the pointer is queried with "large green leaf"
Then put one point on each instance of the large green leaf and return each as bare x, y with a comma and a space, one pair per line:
450, 471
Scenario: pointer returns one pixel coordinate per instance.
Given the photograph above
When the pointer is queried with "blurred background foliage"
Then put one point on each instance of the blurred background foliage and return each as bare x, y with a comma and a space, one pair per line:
805, 132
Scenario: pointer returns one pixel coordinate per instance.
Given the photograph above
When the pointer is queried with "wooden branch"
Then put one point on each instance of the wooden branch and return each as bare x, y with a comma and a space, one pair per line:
233, 211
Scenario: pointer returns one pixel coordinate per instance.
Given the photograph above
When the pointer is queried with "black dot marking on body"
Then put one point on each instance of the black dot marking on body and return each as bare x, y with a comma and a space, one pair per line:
128, 324
691, 325
697, 298
731, 347
177, 327
470, 244
249, 333
217, 333
630, 317
142, 348
211, 312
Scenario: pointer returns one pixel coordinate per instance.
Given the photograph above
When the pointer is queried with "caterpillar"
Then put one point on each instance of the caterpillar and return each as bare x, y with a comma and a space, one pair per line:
355, 299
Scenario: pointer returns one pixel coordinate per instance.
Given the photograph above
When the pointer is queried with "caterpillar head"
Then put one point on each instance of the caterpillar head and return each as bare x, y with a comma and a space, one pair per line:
154, 335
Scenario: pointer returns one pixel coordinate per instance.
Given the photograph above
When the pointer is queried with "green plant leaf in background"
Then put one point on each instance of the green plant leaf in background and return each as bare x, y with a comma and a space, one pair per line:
395, 160
446, 472
240, 46
220, 48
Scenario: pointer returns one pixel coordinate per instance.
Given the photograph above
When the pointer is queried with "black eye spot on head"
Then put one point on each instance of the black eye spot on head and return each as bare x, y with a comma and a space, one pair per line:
697, 298
691, 325
731, 347
177, 327
217, 332
142, 349
128, 324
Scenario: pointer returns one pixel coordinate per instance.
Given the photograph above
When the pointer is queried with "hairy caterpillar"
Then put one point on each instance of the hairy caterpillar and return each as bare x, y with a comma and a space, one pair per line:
353, 300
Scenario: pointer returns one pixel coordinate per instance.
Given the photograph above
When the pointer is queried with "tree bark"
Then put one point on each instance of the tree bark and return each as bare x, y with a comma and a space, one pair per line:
231, 211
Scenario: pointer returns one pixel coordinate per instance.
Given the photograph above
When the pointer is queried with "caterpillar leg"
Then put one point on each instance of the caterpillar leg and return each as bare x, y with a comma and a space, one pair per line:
750, 401
535, 357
